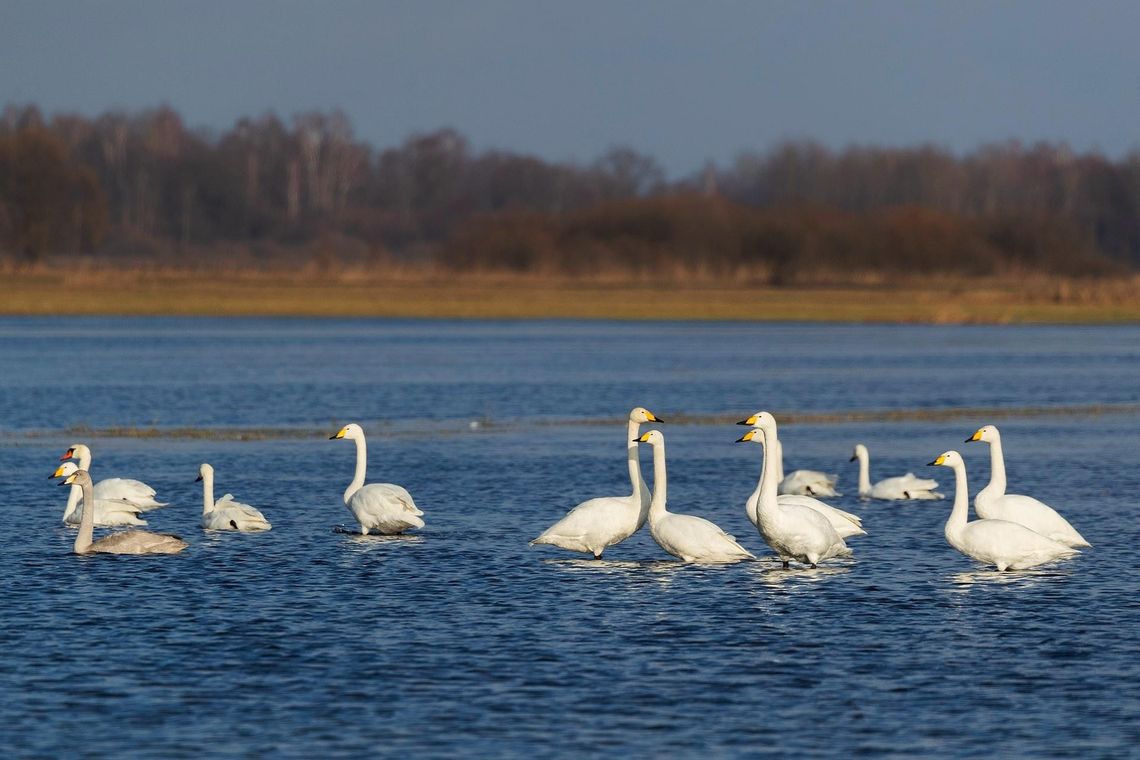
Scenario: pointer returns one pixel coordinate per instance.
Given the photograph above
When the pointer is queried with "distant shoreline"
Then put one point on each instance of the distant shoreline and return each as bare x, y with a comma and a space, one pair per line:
433, 294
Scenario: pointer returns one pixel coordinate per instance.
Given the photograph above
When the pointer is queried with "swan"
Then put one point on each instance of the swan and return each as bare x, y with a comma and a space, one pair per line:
686, 537
898, 488
802, 482
846, 524
793, 530
607, 520
383, 507
225, 513
992, 502
1005, 544
107, 513
115, 489
126, 542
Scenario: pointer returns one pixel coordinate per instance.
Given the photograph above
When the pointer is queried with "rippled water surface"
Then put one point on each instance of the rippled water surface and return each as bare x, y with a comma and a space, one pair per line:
462, 640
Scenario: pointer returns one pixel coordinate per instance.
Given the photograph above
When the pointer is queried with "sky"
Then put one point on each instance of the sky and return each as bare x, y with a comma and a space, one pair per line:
686, 82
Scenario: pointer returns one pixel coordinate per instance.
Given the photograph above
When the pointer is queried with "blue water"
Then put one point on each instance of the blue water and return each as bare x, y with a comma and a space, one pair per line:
463, 641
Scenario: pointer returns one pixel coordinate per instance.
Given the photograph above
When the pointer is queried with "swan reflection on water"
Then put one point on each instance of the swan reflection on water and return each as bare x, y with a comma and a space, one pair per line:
964, 581
372, 539
774, 575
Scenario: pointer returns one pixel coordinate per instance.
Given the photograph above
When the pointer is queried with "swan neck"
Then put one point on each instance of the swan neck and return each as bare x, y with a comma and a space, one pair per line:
207, 492
960, 512
640, 489
87, 521
361, 463
769, 473
85, 460
864, 474
73, 497
778, 455
660, 483
997, 468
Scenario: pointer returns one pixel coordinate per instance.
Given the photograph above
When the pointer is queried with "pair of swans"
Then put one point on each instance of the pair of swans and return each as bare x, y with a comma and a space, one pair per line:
796, 527
902, 487
225, 513
802, 482
125, 542
993, 503
1003, 543
385, 508
118, 501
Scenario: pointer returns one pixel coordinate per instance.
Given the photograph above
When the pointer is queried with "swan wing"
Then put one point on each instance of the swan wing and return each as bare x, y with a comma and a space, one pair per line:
132, 491
802, 533
1033, 514
228, 514
845, 523
107, 514
385, 508
139, 542
594, 524
1009, 545
695, 539
808, 483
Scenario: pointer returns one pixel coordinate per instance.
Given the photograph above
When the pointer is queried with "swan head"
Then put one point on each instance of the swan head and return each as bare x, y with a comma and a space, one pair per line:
948, 459
760, 420
755, 435
204, 471
351, 430
653, 438
987, 433
77, 478
860, 452
64, 470
641, 414
76, 451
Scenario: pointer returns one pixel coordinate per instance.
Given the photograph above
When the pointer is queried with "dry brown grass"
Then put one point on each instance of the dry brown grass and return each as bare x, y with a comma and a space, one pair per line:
394, 291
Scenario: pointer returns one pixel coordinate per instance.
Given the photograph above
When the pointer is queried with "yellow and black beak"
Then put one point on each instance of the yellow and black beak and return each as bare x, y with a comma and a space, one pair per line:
643, 439
940, 460
339, 434
653, 417
58, 472
750, 421
977, 436
747, 436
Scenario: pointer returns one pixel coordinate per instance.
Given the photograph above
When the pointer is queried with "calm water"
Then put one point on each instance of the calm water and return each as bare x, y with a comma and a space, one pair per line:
461, 640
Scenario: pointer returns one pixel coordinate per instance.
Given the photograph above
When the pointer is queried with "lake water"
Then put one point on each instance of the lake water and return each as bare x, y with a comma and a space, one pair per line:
463, 641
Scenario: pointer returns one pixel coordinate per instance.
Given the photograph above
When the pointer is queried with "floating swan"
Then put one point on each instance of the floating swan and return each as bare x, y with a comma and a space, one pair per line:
793, 530
1004, 544
225, 513
383, 507
115, 489
993, 503
898, 488
687, 537
607, 520
126, 542
846, 524
803, 482
107, 513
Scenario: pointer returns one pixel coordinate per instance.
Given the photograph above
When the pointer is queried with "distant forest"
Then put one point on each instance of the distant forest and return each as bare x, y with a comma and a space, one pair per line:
144, 187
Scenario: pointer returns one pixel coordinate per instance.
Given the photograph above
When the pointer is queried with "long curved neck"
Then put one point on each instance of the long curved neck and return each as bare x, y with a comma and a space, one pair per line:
73, 497
207, 492
640, 489
87, 521
778, 455
864, 474
769, 473
660, 483
361, 463
960, 512
85, 460
997, 468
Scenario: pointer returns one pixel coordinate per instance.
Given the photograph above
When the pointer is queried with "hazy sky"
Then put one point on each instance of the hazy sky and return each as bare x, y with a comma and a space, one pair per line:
684, 81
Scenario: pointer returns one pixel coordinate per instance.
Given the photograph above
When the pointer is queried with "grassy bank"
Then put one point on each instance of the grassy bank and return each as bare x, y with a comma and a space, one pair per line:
400, 293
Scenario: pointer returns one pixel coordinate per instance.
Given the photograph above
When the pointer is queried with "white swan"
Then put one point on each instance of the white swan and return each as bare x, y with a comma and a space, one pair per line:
115, 489
846, 524
1004, 544
126, 542
992, 502
794, 531
607, 520
902, 487
383, 507
225, 513
686, 537
107, 513
802, 482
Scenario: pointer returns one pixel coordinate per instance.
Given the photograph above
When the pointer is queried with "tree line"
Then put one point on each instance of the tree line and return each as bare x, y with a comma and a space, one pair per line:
144, 186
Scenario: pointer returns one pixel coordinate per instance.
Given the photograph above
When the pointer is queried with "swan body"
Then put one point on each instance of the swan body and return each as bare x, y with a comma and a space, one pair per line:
385, 508
902, 487
107, 513
133, 492
1004, 544
225, 513
791, 529
598, 523
686, 537
803, 482
993, 503
126, 542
